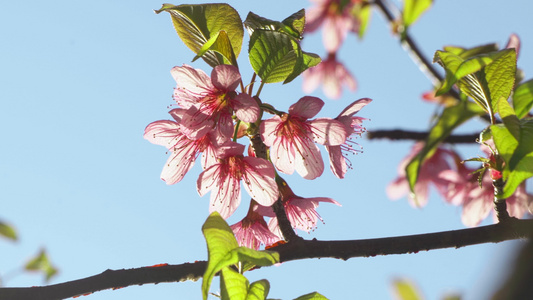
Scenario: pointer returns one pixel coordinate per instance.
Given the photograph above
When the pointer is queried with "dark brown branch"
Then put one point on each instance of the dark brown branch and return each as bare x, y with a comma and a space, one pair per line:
398, 134
294, 250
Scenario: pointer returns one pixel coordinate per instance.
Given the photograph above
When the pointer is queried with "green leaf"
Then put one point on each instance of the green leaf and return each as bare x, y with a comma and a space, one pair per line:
312, 296
292, 26
308, 60
405, 290
220, 241
468, 53
258, 290
500, 75
509, 118
8, 231
362, 11
233, 286
220, 43
523, 98
517, 154
273, 55
413, 9
41, 263
224, 251
196, 24
450, 119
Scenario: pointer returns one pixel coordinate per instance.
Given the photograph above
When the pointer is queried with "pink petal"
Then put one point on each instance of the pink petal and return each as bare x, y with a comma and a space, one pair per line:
398, 188
307, 107
246, 108
259, 181
268, 130
312, 79
162, 133
474, 211
225, 77
190, 83
337, 162
178, 164
333, 33
311, 165
355, 107
514, 42
328, 131
283, 156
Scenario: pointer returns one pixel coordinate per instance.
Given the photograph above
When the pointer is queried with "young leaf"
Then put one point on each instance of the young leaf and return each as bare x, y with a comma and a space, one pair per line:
500, 75
517, 154
41, 263
258, 290
7, 231
523, 98
233, 286
362, 11
413, 9
273, 55
220, 241
308, 60
509, 118
450, 118
220, 43
196, 24
312, 296
405, 290
292, 26
468, 53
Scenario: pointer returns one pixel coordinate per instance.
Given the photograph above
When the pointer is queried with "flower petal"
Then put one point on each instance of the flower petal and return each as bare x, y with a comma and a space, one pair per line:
246, 108
328, 132
307, 107
355, 107
268, 130
308, 163
259, 181
337, 161
225, 77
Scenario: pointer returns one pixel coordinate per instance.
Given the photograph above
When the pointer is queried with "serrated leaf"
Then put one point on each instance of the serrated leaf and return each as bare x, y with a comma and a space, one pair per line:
8, 231
500, 75
517, 154
312, 296
233, 286
413, 9
220, 241
258, 290
523, 98
292, 26
509, 118
308, 60
273, 55
41, 263
450, 119
405, 290
196, 24
219, 43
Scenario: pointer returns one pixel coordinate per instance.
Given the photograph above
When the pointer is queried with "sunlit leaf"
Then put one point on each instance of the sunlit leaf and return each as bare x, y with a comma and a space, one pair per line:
292, 26
308, 60
470, 52
258, 290
509, 118
450, 118
312, 296
41, 263
523, 98
220, 241
8, 231
500, 75
362, 11
405, 290
196, 24
220, 43
233, 286
273, 55
413, 9
517, 154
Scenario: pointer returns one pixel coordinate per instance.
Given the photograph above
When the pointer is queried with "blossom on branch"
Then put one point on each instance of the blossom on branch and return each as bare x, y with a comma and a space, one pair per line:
332, 74
339, 163
252, 231
211, 102
291, 138
223, 179
336, 18
183, 150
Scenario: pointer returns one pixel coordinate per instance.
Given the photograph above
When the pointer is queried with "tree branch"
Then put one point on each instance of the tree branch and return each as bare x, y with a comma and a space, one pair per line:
293, 250
399, 134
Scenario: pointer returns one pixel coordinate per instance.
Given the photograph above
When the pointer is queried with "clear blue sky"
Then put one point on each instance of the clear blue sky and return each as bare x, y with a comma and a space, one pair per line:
80, 80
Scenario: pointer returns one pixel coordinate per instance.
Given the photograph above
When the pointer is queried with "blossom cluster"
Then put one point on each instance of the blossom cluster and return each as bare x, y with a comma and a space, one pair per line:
458, 185
210, 116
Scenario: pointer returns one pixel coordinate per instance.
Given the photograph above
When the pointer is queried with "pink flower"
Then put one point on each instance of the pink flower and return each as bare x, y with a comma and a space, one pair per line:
337, 157
252, 231
223, 180
332, 74
300, 211
336, 19
184, 151
429, 174
292, 138
210, 102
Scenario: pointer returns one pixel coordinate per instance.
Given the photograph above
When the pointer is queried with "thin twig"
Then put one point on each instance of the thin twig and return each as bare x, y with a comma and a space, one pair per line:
399, 134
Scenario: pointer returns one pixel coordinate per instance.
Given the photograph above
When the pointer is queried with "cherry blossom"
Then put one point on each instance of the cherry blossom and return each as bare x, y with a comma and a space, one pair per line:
211, 102
339, 163
183, 151
223, 180
300, 211
252, 231
291, 138
429, 174
332, 74
336, 19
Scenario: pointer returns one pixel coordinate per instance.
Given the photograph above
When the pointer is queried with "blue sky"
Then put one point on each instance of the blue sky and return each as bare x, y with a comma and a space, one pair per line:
80, 81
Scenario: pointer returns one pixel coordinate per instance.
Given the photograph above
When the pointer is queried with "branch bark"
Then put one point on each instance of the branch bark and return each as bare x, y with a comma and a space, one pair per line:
293, 250
399, 134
